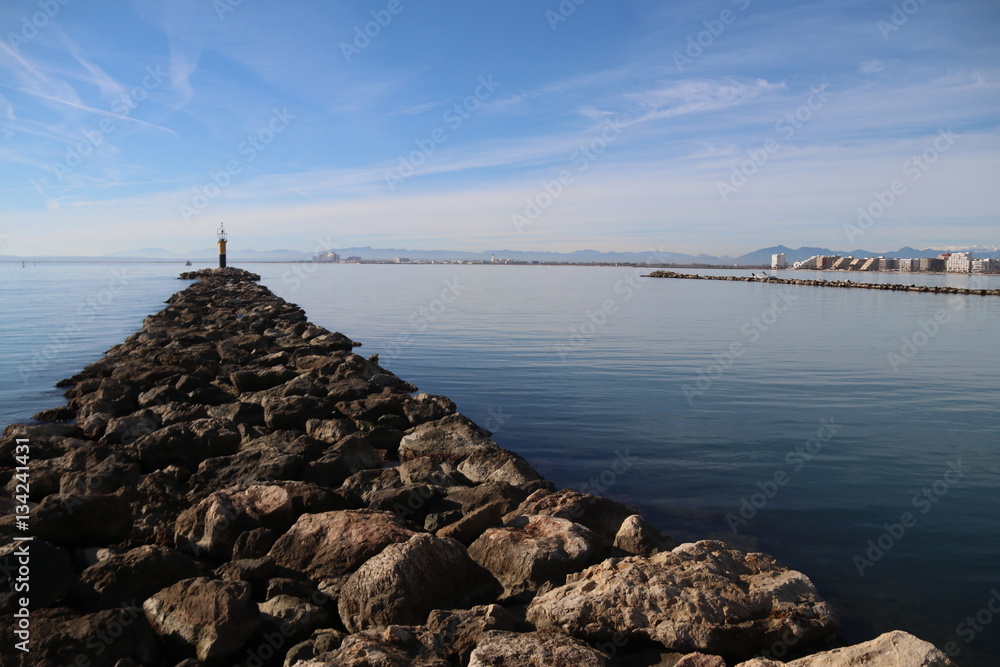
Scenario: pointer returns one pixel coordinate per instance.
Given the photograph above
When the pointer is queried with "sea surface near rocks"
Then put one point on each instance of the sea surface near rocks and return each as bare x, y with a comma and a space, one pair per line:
494, 349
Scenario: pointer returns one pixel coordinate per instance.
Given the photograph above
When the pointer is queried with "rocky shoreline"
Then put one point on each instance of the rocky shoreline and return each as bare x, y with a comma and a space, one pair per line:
888, 287
233, 485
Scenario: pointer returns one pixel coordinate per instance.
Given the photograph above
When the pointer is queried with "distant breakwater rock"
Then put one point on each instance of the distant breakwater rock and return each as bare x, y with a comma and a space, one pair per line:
233, 485
230, 273
888, 287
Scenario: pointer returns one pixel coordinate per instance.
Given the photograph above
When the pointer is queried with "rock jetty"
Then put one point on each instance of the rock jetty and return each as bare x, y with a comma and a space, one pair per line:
888, 287
234, 485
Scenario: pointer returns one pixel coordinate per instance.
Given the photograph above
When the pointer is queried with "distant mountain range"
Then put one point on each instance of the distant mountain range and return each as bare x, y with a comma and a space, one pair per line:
755, 258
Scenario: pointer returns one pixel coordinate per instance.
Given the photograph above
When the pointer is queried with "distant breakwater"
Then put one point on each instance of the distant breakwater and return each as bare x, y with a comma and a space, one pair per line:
233, 484
888, 287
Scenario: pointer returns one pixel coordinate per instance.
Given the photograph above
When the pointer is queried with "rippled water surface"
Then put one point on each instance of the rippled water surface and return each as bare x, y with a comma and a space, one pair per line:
804, 419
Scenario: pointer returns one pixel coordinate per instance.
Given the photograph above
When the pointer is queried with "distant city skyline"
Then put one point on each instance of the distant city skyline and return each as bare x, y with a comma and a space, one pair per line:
700, 128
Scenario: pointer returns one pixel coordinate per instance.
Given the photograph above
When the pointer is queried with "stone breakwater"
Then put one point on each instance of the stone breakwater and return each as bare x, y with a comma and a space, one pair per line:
888, 287
233, 485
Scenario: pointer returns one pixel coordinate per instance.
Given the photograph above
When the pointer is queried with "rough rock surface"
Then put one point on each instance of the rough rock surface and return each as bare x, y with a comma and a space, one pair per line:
335, 543
533, 649
130, 578
211, 618
462, 629
406, 581
702, 596
892, 649
393, 646
529, 551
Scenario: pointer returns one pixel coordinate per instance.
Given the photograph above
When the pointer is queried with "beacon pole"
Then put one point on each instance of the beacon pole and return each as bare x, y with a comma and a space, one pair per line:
222, 245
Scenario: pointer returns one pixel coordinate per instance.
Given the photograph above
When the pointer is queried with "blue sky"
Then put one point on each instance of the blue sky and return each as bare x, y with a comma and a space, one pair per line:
715, 127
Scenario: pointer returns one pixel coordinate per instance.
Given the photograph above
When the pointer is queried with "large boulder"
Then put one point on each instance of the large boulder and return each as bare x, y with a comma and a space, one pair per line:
212, 526
251, 466
82, 520
187, 444
892, 649
331, 544
452, 438
424, 408
61, 636
394, 646
638, 536
499, 465
462, 629
292, 412
533, 649
128, 579
211, 619
703, 596
406, 581
258, 379
602, 515
534, 550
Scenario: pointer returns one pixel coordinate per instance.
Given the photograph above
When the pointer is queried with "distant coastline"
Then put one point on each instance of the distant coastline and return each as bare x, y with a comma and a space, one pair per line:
889, 287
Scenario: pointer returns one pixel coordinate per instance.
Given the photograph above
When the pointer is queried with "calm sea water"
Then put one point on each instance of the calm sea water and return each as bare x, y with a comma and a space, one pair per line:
803, 422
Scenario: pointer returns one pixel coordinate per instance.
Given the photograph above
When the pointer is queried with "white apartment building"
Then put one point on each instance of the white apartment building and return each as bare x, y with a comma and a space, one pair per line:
959, 262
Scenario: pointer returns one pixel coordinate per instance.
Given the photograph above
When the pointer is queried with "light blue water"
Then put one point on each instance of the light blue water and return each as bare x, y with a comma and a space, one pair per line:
575, 366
